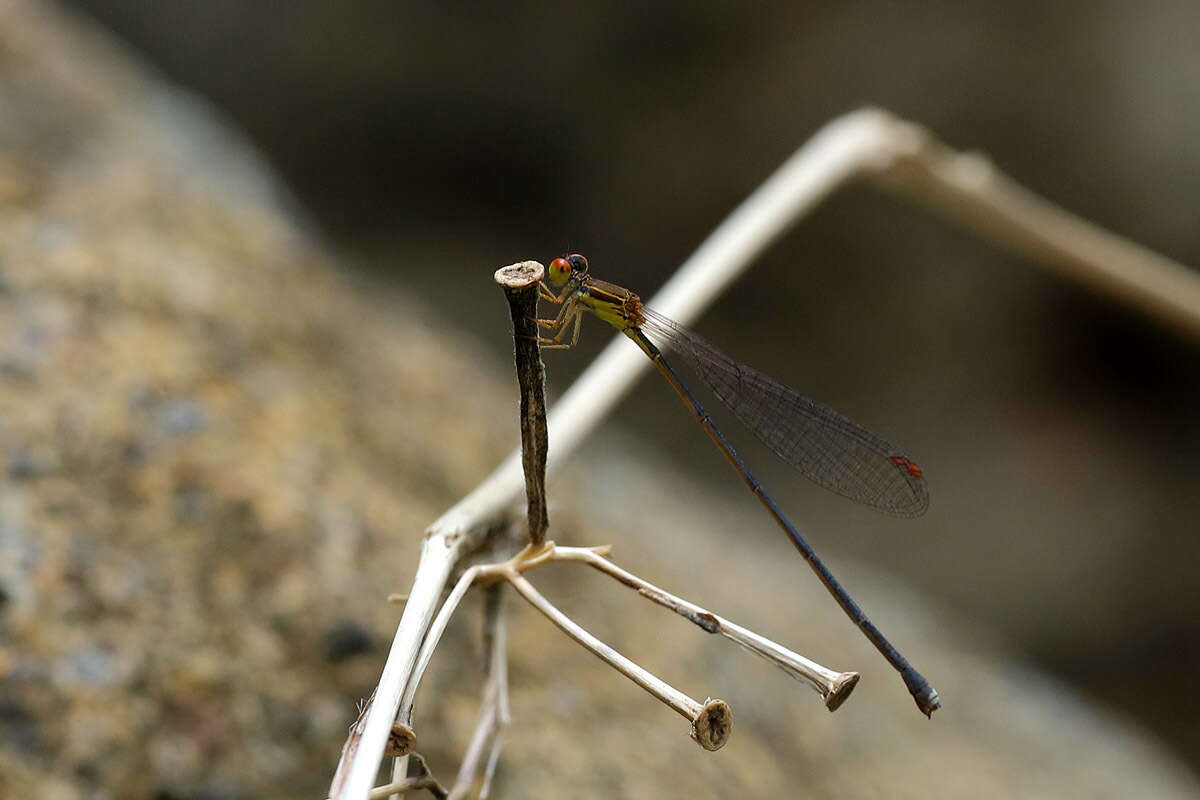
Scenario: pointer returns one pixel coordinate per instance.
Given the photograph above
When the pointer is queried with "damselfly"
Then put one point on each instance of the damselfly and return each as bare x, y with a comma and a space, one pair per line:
824, 445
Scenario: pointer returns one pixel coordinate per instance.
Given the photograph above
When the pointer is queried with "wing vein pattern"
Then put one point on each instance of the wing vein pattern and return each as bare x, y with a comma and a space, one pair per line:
825, 446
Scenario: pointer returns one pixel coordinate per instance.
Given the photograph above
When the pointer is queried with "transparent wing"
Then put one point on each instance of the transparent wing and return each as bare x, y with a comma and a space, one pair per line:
826, 447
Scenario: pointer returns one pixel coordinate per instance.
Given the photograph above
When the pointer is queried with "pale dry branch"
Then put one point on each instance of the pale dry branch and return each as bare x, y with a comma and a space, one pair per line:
490, 770
364, 748
711, 721
425, 780
487, 728
432, 638
834, 687
968, 188
478, 761
398, 787
867, 143
399, 773
499, 671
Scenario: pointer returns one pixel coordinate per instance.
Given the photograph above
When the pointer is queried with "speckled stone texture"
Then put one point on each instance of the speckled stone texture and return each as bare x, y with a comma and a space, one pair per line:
217, 457
214, 456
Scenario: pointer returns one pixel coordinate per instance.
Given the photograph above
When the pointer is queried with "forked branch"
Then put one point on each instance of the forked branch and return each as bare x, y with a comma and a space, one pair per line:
834, 687
869, 143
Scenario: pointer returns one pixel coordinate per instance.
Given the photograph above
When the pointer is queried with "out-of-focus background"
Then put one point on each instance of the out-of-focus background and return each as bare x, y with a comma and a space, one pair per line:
1060, 431
430, 143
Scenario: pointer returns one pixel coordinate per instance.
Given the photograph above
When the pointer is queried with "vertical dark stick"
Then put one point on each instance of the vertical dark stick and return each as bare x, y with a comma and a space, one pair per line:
520, 284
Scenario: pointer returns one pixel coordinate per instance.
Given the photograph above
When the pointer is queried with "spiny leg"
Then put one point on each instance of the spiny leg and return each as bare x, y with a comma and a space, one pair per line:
553, 344
547, 294
563, 317
567, 312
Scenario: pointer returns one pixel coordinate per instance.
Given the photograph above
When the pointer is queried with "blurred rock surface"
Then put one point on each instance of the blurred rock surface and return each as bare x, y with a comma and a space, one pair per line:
218, 456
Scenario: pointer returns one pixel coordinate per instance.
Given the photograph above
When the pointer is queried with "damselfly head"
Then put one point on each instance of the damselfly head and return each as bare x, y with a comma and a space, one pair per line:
561, 269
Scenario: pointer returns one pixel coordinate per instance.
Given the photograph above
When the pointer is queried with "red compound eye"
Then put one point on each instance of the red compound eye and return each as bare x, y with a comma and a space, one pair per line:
560, 270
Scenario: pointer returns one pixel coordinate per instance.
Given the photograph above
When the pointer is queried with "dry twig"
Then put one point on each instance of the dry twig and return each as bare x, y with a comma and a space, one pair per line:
479, 761
834, 687
519, 283
868, 143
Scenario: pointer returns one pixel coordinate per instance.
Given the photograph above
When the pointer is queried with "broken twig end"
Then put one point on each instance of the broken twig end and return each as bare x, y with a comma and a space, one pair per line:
713, 725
